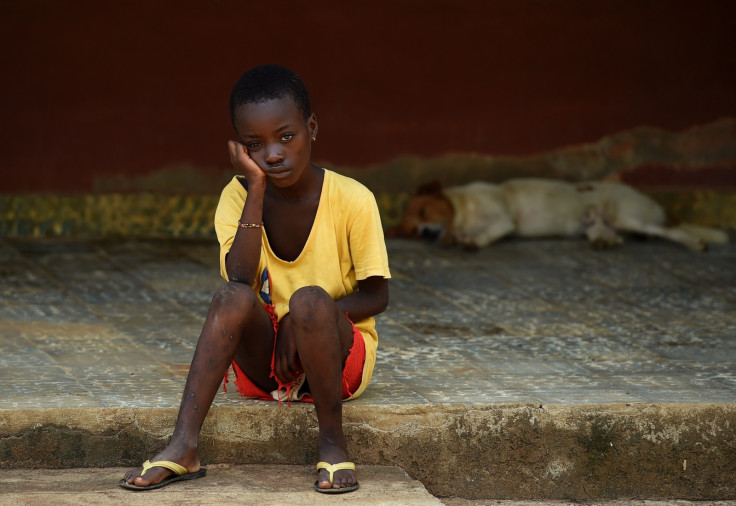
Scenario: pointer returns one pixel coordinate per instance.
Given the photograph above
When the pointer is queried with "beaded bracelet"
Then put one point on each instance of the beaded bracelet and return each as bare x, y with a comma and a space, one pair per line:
249, 225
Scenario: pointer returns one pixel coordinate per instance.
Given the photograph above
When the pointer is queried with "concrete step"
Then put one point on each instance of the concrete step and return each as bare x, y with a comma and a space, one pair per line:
227, 484
683, 451
224, 484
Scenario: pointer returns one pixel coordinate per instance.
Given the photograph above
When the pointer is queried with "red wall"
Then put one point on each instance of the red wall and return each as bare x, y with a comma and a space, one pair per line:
93, 89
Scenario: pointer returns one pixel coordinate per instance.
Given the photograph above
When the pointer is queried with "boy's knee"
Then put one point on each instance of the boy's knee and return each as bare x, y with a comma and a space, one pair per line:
234, 295
309, 305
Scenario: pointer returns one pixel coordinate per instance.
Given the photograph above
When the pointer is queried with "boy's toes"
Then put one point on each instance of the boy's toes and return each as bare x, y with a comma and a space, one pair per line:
133, 477
347, 480
324, 482
153, 476
324, 479
141, 481
130, 475
341, 479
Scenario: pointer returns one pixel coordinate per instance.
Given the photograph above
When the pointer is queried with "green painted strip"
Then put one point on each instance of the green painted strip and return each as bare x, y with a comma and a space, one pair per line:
155, 215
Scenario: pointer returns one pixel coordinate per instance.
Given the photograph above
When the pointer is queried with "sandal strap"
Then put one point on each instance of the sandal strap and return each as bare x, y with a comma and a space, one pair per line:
332, 468
166, 464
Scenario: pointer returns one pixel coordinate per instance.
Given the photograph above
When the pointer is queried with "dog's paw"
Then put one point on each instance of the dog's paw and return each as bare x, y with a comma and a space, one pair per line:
698, 245
470, 247
601, 243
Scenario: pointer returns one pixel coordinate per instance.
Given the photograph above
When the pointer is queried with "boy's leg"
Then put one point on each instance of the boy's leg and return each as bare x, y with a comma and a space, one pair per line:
236, 322
323, 337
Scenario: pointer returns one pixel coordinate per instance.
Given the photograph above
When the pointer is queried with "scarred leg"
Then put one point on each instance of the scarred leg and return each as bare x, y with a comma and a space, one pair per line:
236, 322
323, 337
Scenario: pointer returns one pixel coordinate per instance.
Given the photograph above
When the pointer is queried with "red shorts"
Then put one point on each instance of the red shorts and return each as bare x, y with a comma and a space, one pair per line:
352, 373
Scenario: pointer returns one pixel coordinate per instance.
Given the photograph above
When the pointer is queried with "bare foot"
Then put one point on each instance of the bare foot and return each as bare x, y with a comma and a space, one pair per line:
332, 453
184, 456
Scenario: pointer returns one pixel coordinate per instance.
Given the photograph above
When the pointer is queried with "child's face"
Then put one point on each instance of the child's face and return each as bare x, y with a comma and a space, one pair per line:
277, 138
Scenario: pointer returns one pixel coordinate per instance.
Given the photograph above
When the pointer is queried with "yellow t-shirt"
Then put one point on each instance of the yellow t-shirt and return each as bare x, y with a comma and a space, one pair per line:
345, 245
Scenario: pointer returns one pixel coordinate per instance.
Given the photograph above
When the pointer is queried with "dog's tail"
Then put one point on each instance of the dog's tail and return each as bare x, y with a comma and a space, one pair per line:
706, 234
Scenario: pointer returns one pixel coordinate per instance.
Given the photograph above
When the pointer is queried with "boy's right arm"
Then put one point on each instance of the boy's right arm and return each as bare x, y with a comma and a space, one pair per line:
241, 262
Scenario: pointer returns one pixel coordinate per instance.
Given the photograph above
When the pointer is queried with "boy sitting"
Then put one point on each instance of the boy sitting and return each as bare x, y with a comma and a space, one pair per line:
305, 261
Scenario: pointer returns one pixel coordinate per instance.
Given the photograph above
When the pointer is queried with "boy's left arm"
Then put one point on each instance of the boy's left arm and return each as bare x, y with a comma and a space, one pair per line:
370, 299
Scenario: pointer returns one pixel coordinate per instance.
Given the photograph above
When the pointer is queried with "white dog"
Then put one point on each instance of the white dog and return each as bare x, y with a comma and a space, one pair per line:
477, 214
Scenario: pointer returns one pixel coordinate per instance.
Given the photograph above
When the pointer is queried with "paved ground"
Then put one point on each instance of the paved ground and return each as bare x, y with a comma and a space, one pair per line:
113, 324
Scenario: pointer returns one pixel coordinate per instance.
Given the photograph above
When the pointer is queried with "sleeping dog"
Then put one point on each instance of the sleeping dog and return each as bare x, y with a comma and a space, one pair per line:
478, 214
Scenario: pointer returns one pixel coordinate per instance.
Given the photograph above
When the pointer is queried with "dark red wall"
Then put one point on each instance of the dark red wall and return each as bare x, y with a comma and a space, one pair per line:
94, 88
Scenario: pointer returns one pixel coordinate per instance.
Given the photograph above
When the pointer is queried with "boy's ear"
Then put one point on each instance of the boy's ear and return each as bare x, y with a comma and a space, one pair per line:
431, 188
313, 126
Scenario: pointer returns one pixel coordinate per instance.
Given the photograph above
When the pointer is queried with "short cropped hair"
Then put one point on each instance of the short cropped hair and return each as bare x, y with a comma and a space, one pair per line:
268, 82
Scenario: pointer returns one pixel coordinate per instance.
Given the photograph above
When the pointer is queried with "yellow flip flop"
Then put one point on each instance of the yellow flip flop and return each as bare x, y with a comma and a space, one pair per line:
331, 468
180, 474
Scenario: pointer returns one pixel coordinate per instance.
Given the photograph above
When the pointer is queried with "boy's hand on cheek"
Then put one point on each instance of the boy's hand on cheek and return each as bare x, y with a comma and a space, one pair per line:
245, 164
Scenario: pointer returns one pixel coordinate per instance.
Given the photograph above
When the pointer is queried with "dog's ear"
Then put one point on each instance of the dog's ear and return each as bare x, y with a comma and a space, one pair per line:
431, 188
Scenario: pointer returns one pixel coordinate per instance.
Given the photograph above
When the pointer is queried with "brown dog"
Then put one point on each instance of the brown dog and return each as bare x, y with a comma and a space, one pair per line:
478, 214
